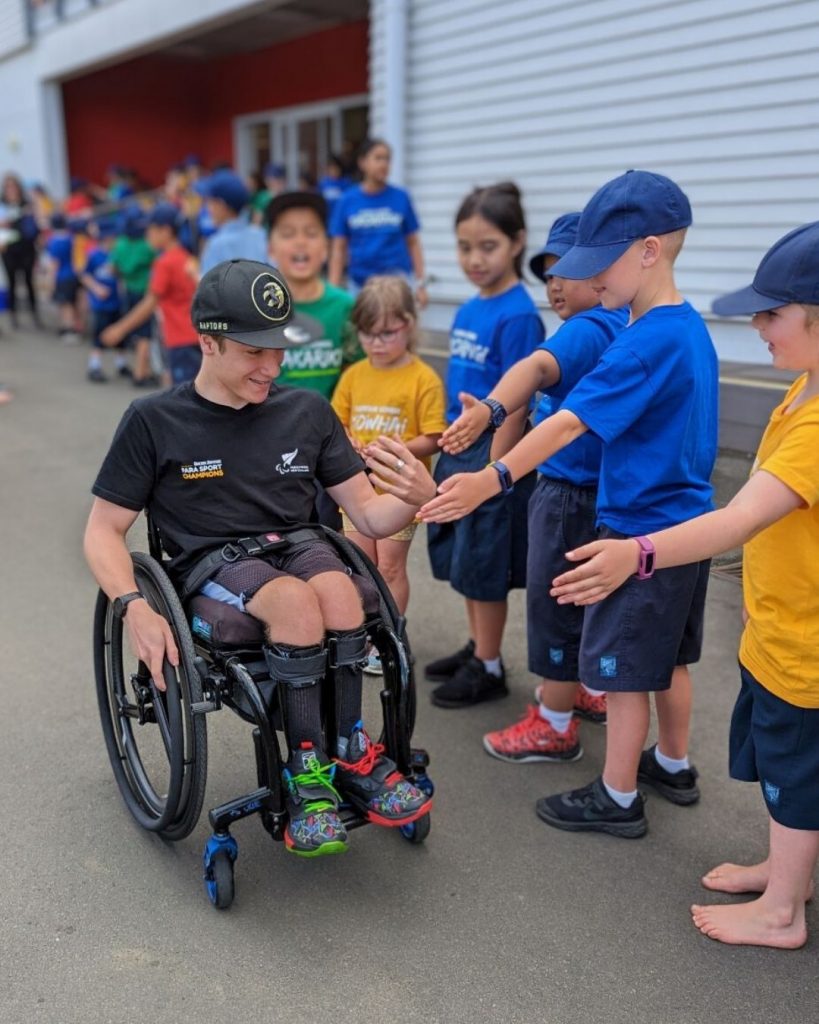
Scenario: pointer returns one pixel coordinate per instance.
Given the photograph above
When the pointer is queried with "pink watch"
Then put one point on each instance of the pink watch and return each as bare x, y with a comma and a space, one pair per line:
645, 569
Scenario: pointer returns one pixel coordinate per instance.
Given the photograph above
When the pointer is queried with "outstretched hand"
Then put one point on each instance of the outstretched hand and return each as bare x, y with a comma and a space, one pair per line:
468, 427
609, 565
397, 471
459, 495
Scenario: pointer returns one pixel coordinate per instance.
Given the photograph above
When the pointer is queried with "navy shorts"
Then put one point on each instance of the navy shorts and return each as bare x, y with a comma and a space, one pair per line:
561, 517
103, 318
65, 291
482, 555
144, 330
776, 744
633, 640
183, 362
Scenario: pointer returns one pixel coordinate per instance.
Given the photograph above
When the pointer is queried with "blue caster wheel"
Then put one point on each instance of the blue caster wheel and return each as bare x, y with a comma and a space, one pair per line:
425, 784
417, 831
220, 853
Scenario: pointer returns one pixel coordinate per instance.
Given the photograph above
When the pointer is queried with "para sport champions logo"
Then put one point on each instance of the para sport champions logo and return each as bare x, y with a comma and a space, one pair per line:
270, 298
287, 464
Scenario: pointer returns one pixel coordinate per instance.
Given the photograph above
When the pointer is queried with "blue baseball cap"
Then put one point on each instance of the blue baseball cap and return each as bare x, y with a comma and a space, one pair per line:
562, 236
192, 160
633, 206
789, 272
274, 171
164, 215
133, 221
106, 227
227, 186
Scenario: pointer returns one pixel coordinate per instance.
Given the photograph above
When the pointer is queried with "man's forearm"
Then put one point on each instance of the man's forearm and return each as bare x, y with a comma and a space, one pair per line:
109, 559
382, 516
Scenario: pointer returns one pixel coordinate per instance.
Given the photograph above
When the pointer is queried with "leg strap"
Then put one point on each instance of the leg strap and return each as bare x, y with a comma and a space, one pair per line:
296, 666
346, 647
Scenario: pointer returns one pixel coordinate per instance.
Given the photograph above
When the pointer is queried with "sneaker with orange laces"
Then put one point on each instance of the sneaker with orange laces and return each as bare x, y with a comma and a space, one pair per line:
374, 786
534, 739
587, 705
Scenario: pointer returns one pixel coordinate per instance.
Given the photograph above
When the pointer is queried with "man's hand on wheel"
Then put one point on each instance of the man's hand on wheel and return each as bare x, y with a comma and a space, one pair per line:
151, 639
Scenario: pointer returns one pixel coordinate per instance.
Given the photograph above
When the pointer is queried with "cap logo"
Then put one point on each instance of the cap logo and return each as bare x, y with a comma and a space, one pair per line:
269, 298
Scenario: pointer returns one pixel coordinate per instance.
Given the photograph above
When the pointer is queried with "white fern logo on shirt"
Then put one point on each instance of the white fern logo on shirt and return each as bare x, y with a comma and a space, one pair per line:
287, 465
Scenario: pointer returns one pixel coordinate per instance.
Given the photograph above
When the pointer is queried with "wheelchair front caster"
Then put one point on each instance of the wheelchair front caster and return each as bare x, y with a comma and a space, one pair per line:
416, 831
220, 853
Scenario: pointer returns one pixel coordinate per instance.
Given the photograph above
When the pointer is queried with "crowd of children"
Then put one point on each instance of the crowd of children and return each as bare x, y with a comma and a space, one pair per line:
594, 446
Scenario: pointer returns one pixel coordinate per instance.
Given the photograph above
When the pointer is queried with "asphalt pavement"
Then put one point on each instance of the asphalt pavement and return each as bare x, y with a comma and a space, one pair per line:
497, 918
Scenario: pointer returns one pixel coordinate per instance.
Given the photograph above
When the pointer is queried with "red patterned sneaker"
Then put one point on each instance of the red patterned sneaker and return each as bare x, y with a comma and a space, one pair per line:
586, 705
534, 739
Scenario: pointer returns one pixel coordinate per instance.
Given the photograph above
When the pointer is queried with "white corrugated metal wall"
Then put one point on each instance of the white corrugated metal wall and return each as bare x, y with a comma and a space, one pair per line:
723, 97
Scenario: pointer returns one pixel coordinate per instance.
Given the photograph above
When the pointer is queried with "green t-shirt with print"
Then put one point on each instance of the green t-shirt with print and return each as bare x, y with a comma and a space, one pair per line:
133, 258
318, 366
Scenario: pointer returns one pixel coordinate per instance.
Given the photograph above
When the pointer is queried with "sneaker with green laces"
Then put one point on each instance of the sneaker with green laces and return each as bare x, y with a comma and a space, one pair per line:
314, 827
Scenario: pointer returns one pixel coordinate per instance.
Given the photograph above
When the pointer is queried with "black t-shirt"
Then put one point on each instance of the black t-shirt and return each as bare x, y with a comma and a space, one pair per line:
208, 473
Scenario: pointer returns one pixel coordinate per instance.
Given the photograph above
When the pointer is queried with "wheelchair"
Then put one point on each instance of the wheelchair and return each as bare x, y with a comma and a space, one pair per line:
157, 742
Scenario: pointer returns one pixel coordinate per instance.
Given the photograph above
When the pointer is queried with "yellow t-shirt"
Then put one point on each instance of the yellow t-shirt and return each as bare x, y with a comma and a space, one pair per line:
406, 400
780, 644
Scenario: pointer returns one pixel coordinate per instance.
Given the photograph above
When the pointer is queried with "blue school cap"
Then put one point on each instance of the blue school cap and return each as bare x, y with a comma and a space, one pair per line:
227, 186
58, 222
164, 215
192, 160
789, 272
274, 171
107, 227
562, 236
633, 206
133, 222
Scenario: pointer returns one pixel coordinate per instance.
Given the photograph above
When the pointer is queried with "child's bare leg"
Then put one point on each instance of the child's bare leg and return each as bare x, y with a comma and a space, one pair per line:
674, 714
558, 696
392, 564
142, 359
628, 717
777, 917
488, 619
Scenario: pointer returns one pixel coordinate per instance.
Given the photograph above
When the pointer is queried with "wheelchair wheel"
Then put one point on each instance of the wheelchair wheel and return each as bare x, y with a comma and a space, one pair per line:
417, 831
156, 744
220, 886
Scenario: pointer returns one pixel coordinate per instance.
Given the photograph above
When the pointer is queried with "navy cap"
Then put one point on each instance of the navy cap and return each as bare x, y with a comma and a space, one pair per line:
633, 206
192, 160
58, 221
249, 302
562, 236
106, 227
227, 186
164, 215
133, 221
789, 272
294, 201
274, 171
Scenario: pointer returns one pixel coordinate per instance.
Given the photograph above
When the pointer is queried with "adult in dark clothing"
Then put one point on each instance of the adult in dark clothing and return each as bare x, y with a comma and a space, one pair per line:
18, 243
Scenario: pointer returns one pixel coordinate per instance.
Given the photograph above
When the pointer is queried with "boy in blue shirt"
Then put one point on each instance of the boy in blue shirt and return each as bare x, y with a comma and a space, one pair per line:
561, 507
100, 281
59, 249
652, 401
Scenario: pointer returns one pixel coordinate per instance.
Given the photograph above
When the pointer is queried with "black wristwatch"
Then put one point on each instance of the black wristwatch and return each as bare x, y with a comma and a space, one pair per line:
120, 604
506, 481
497, 412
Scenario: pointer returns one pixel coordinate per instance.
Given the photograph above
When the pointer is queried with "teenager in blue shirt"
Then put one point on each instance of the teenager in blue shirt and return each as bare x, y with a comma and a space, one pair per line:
652, 401
484, 555
374, 228
561, 511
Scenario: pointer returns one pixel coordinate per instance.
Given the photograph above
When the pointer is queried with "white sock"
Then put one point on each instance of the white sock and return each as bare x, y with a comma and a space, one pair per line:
559, 720
671, 764
94, 361
594, 693
493, 666
624, 800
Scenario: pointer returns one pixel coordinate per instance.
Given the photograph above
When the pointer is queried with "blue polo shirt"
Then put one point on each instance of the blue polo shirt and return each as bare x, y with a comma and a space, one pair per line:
489, 336
235, 240
100, 267
60, 248
653, 402
376, 228
577, 347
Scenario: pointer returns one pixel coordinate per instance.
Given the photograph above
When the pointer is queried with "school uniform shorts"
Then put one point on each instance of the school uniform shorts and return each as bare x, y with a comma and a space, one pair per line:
633, 640
776, 744
561, 517
482, 555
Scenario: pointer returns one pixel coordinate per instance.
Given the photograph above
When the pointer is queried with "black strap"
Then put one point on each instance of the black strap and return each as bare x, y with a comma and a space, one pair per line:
244, 547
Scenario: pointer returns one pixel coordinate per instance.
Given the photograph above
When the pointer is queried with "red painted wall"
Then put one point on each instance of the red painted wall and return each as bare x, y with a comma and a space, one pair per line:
149, 112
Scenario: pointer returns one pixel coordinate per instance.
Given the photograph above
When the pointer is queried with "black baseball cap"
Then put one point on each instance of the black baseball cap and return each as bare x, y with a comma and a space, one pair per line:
295, 201
249, 302
789, 272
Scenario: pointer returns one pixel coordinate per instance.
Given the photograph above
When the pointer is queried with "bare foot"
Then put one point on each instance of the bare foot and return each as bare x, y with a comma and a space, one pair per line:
749, 924
741, 878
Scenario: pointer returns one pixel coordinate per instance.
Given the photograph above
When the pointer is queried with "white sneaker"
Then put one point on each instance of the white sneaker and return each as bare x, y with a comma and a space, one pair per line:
373, 665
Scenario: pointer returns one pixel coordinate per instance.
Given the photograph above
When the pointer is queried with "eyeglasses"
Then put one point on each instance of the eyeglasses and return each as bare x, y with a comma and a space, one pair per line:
388, 337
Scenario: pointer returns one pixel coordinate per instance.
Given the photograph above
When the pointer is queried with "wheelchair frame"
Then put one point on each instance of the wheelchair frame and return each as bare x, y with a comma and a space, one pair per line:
211, 676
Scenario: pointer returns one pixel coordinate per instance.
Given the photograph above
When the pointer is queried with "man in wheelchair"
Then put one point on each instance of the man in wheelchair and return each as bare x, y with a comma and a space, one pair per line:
231, 455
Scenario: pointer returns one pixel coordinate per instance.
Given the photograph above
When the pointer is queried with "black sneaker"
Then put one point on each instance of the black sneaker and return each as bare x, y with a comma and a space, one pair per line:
678, 787
591, 809
96, 376
125, 371
445, 668
471, 684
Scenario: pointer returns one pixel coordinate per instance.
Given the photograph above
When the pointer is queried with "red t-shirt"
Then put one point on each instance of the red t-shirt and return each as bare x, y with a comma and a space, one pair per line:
173, 286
